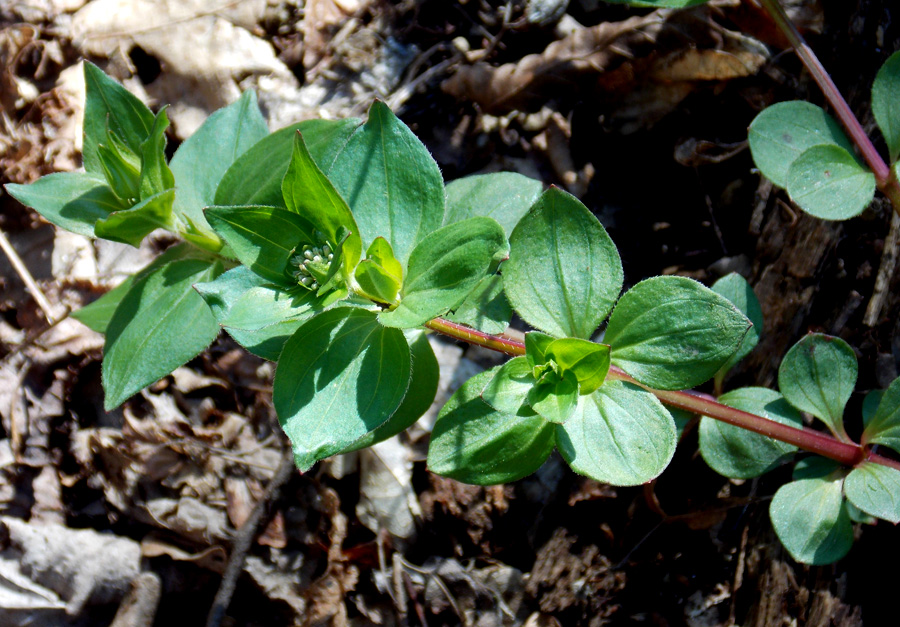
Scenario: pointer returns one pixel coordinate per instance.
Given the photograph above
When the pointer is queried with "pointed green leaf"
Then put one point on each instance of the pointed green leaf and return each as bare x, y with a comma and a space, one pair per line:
444, 268
419, 397
375, 282
829, 183
97, 315
73, 201
340, 376
263, 238
740, 454
121, 167
884, 425
672, 333
203, 158
811, 519
221, 294
255, 177
131, 226
621, 435
309, 193
564, 273
473, 443
390, 181
161, 324
504, 196
588, 361
554, 396
507, 391
156, 176
875, 489
735, 288
108, 105
536, 344
782, 132
817, 376
485, 308
885, 96
380, 252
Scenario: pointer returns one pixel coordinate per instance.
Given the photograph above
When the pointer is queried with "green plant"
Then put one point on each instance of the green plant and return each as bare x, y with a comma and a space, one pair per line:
330, 246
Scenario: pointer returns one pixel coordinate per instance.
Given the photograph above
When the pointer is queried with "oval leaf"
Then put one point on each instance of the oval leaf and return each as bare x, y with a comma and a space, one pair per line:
203, 158
473, 443
735, 288
812, 521
564, 273
885, 96
161, 324
340, 376
508, 389
73, 201
784, 131
672, 333
621, 435
503, 196
390, 181
740, 454
883, 425
875, 489
829, 183
444, 268
817, 376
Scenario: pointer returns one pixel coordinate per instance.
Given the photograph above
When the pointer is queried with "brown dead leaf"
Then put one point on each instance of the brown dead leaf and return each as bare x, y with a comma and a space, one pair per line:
214, 558
320, 20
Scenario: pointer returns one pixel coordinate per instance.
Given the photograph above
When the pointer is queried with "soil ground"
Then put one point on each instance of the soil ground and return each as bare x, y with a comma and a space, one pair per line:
658, 154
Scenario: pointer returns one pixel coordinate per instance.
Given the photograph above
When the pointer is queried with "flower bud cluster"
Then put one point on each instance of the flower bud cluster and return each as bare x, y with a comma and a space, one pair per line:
310, 264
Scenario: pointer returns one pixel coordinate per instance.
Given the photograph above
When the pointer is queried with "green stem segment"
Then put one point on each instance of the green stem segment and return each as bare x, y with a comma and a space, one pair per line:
884, 178
847, 453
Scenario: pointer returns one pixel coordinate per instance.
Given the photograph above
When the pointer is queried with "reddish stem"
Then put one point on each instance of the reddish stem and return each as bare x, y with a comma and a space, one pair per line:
847, 453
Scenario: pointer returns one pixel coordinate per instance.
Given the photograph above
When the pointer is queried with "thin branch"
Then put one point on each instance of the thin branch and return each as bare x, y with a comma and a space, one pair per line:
846, 453
30, 284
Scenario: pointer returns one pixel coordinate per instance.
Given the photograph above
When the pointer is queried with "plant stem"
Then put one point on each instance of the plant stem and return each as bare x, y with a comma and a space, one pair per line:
847, 453
884, 178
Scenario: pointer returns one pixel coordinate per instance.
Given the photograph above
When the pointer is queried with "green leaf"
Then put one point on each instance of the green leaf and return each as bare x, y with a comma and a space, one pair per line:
870, 404
375, 282
73, 201
380, 252
263, 238
829, 183
735, 288
507, 391
588, 361
255, 177
473, 443
121, 167
740, 454
221, 294
621, 435
885, 96
784, 131
161, 324
883, 427
419, 397
97, 315
156, 176
564, 273
340, 376
485, 308
203, 158
811, 520
309, 193
108, 105
555, 396
672, 333
130, 226
390, 181
504, 196
262, 306
444, 268
536, 344
875, 489
817, 376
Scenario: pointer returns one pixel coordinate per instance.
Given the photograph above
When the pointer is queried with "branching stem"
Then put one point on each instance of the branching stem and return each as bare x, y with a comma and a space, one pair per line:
885, 179
847, 453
